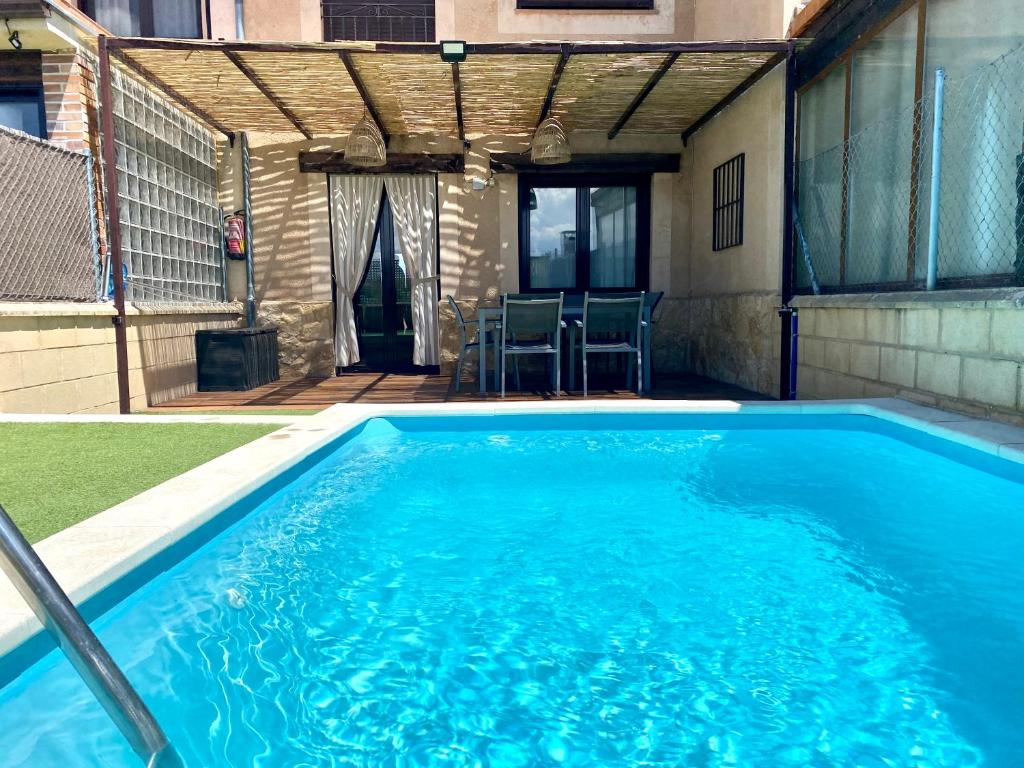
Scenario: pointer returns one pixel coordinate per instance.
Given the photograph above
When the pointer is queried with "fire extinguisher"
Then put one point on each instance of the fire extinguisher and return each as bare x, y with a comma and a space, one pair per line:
234, 235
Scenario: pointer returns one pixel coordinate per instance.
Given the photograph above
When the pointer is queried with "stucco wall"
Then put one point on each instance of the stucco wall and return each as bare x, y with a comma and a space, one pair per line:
962, 351
719, 319
61, 358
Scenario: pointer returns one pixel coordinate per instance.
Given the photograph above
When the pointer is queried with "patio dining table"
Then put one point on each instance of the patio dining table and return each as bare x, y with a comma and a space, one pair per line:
571, 312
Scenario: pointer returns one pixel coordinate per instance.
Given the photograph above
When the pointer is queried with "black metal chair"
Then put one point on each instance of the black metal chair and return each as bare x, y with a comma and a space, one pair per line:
614, 325
485, 337
532, 325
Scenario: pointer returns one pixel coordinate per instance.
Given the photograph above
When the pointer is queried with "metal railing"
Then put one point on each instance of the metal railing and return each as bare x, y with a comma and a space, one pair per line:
84, 650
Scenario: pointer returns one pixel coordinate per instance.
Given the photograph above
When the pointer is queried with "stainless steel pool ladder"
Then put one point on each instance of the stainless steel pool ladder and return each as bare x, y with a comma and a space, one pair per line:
83, 649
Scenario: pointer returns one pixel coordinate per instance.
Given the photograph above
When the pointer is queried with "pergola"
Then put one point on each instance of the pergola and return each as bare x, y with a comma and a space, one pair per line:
321, 90
505, 89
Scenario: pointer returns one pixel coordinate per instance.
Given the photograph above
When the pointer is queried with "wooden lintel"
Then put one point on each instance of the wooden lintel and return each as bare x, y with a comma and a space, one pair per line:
510, 162
334, 162
155, 81
357, 81
272, 97
644, 93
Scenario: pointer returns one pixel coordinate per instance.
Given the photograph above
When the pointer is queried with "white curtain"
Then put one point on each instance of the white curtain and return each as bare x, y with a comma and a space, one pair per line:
413, 205
355, 205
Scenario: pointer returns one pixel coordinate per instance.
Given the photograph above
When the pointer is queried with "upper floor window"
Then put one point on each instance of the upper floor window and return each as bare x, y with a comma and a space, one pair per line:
400, 21
587, 5
150, 18
21, 108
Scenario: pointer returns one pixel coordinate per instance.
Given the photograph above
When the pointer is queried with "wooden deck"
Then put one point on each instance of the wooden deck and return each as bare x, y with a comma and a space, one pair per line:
317, 394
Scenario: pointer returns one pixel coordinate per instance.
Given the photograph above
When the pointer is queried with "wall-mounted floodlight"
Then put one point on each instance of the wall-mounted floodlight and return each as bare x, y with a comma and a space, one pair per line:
453, 51
13, 38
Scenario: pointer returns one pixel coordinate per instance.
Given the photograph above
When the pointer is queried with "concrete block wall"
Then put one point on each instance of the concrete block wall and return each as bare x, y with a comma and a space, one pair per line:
962, 351
61, 358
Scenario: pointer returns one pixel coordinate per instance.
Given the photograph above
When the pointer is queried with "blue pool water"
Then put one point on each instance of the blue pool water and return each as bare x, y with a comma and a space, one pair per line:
582, 591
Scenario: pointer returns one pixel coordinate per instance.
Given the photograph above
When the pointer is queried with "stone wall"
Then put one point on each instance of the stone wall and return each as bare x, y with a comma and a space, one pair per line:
961, 351
61, 358
305, 335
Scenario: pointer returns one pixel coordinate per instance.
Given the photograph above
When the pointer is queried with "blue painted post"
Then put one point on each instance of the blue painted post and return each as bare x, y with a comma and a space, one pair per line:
933, 208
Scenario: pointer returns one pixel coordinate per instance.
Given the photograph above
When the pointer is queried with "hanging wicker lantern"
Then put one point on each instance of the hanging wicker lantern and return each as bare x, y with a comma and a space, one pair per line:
550, 145
365, 145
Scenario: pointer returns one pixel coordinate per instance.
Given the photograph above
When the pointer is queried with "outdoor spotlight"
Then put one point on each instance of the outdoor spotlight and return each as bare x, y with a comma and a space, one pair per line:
13, 38
453, 51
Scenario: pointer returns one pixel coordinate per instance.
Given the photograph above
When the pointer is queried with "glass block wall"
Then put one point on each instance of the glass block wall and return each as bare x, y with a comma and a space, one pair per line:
171, 235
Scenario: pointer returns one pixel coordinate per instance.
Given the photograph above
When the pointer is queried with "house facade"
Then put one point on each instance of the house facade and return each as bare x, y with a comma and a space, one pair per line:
731, 212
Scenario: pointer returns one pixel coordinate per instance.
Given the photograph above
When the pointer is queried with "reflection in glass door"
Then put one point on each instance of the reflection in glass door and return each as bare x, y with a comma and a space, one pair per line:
383, 304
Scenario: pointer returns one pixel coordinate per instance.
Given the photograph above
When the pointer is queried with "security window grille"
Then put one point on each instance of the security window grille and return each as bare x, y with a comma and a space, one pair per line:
167, 189
400, 21
587, 5
727, 197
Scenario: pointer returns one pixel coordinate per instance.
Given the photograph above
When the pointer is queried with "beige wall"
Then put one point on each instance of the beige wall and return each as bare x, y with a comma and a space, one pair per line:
719, 319
61, 358
498, 20
962, 351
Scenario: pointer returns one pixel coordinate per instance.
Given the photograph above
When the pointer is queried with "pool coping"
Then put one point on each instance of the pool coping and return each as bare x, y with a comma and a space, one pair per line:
95, 553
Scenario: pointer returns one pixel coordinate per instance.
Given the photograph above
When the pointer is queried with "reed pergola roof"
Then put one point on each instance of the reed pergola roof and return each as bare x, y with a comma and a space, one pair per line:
506, 89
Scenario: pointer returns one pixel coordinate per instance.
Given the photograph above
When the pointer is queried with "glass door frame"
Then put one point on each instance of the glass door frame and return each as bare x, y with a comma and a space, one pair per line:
582, 182
384, 237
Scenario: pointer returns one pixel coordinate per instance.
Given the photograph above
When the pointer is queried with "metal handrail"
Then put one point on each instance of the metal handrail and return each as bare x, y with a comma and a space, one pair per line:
84, 650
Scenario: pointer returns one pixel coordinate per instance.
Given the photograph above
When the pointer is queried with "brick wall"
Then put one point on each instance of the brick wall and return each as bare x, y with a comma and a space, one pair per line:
963, 352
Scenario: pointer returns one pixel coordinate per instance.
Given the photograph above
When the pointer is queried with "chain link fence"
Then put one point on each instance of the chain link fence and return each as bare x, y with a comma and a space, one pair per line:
865, 205
49, 248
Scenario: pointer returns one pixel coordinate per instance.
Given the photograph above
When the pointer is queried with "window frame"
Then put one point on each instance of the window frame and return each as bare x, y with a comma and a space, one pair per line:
429, 35
585, 5
147, 26
582, 182
18, 91
721, 225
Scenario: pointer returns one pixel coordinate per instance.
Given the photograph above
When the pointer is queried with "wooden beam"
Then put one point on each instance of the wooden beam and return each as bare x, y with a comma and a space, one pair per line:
334, 162
510, 162
272, 97
644, 93
556, 78
457, 80
742, 88
472, 49
155, 81
357, 81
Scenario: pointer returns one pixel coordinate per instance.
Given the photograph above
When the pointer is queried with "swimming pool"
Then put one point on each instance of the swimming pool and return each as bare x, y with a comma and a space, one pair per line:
654, 590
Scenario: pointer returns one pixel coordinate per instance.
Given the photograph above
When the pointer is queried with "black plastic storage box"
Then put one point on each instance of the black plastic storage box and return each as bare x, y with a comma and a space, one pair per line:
236, 359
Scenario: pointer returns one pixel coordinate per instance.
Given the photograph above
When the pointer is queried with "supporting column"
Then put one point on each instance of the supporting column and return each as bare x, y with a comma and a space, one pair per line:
109, 152
787, 351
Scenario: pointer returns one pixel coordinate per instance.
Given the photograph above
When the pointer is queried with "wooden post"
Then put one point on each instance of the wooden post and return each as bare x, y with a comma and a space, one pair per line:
109, 153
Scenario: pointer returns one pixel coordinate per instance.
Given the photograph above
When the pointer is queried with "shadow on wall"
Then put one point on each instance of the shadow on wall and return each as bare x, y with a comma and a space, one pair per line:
162, 354
281, 207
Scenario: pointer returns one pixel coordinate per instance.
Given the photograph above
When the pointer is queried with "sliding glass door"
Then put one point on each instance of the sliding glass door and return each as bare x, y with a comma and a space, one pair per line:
383, 304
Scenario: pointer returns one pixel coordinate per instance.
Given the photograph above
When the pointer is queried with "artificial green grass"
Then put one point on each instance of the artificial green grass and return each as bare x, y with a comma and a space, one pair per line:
55, 475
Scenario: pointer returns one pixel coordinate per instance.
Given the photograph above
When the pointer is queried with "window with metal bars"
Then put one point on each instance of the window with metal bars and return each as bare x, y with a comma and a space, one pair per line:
400, 21
727, 204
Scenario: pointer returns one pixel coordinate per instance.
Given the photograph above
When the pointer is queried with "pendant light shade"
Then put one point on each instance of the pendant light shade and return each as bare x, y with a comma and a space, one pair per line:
550, 144
365, 145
